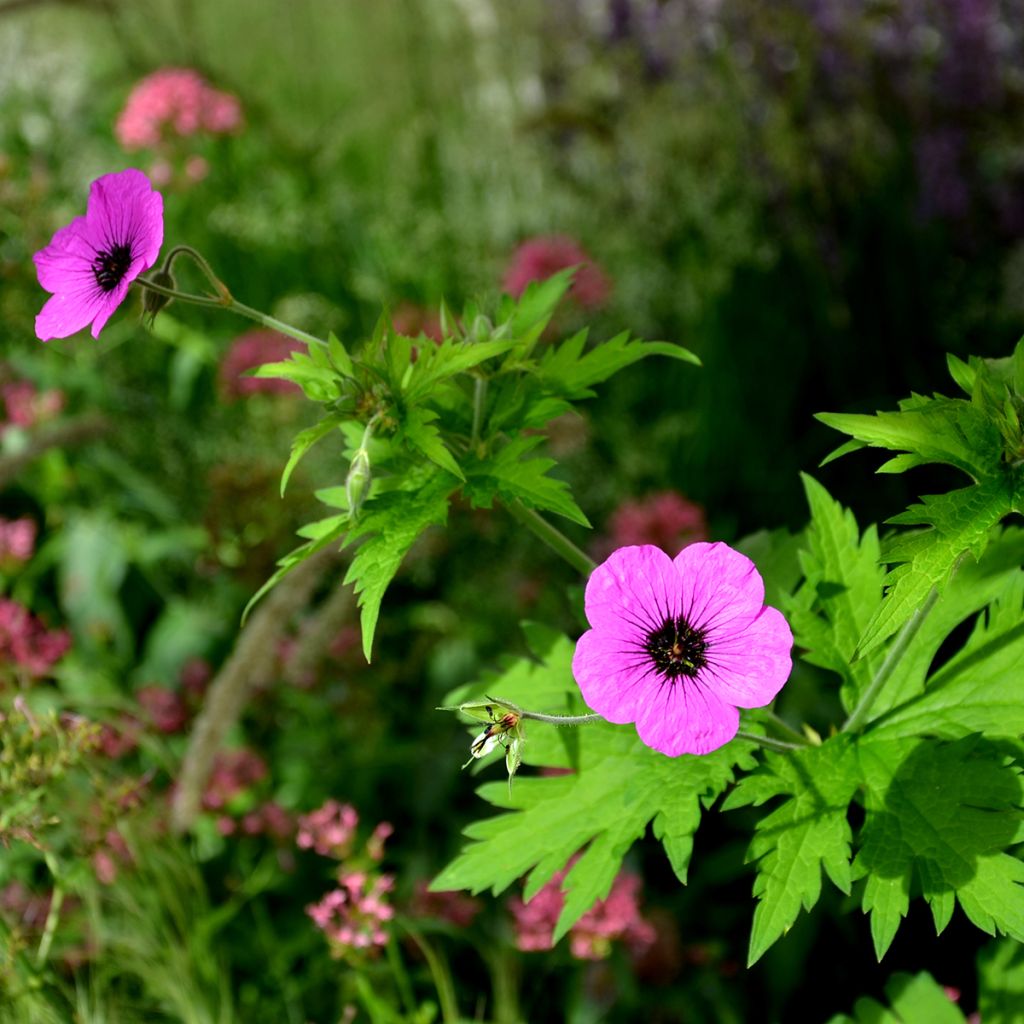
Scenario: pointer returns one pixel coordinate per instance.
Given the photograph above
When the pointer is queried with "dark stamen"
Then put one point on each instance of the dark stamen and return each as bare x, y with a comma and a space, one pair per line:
110, 267
677, 649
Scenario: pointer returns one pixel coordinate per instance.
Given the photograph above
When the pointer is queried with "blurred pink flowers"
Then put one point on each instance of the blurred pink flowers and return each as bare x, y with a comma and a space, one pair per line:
163, 707
175, 102
27, 643
353, 916
252, 349
17, 541
666, 519
676, 646
233, 772
24, 406
454, 908
614, 919
539, 258
89, 265
330, 829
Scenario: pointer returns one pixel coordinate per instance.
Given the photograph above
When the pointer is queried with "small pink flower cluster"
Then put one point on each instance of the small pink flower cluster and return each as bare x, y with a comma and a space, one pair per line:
175, 102
24, 405
163, 707
270, 819
541, 257
17, 541
252, 349
233, 772
27, 643
353, 916
666, 519
614, 919
110, 855
330, 830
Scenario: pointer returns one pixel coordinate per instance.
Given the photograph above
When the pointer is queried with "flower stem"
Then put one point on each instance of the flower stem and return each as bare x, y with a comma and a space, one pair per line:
440, 973
784, 729
899, 647
227, 301
538, 716
768, 742
553, 537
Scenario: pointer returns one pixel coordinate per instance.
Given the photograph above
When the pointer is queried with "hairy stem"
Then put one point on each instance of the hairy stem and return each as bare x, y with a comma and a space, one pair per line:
767, 742
553, 537
899, 647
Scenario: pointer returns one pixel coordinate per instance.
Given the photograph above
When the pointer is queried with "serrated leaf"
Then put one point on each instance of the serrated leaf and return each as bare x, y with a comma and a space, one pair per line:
571, 372
1001, 982
437, 363
961, 522
946, 813
318, 383
981, 688
841, 591
419, 431
806, 834
945, 430
915, 999
340, 358
391, 523
617, 788
305, 440
510, 477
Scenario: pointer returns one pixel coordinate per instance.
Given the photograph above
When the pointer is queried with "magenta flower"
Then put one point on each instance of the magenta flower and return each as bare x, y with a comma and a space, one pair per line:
539, 258
677, 645
89, 264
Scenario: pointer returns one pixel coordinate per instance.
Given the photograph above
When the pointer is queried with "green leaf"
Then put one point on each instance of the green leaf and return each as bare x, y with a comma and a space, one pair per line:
805, 834
617, 787
961, 521
340, 359
915, 998
305, 440
972, 588
437, 363
1001, 982
391, 522
943, 814
506, 475
419, 431
841, 591
321, 533
944, 430
981, 688
570, 372
318, 383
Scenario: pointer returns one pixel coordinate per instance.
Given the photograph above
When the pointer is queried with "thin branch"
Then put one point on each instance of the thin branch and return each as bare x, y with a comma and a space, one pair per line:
254, 651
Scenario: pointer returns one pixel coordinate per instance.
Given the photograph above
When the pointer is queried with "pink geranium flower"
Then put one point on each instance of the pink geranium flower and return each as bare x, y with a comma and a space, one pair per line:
677, 645
89, 264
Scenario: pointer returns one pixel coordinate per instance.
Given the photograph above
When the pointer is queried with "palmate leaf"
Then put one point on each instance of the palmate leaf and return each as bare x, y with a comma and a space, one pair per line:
842, 588
617, 787
981, 688
960, 523
508, 476
419, 430
941, 815
914, 998
391, 523
974, 586
806, 834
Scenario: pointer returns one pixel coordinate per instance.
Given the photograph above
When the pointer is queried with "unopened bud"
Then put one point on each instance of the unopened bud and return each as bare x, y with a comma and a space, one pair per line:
357, 483
482, 328
153, 302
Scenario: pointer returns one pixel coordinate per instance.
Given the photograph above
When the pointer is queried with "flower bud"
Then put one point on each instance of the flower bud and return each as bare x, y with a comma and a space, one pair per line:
153, 302
357, 483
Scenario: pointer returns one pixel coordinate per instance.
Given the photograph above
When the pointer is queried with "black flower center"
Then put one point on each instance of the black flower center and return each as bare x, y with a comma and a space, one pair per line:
110, 266
677, 648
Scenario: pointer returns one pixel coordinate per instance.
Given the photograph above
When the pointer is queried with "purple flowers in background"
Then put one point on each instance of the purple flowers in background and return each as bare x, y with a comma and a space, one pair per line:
89, 265
677, 645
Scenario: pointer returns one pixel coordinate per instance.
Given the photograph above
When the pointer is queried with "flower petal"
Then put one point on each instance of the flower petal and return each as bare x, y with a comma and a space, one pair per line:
722, 589
66, 313
635, 589
748, 667
66, 263
124, 209
686, 718
612, 676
